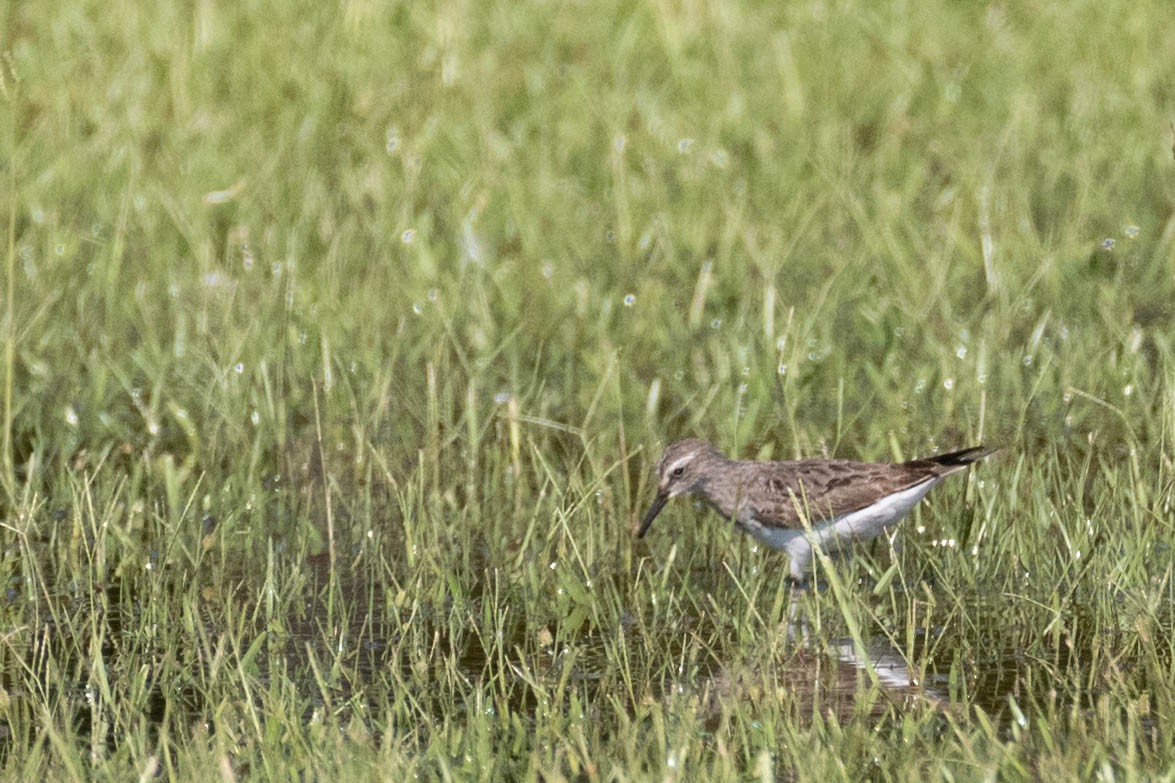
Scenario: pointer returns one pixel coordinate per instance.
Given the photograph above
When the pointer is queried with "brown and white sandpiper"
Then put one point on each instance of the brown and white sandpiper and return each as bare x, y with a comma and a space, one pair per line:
798, 505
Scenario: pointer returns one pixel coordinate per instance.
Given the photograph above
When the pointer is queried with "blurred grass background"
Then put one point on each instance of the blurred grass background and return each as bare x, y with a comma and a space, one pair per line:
402, 300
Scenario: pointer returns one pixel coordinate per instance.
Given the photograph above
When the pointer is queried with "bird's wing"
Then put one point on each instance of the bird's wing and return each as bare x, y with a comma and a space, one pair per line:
823, 489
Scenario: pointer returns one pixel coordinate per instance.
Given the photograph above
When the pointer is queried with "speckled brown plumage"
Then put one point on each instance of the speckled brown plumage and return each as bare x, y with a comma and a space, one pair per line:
840, 499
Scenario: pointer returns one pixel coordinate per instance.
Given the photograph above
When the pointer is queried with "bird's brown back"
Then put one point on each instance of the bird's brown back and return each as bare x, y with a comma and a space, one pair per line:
777, 493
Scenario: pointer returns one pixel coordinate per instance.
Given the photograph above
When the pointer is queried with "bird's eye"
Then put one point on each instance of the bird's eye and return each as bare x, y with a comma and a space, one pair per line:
677, 472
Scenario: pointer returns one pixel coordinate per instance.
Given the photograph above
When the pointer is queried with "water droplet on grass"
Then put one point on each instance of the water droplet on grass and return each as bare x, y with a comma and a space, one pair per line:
1108, 243
716, 323
239, 368
1131, 232
408, 236
782, 369
629, 300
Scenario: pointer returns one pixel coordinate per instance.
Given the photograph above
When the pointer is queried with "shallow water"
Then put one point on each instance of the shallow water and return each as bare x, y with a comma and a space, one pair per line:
988, 661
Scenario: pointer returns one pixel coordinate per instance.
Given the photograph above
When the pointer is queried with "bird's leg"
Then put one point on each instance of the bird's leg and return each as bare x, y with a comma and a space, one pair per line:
799, 588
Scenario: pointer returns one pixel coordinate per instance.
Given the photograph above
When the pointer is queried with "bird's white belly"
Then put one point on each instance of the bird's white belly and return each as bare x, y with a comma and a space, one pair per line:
860, 525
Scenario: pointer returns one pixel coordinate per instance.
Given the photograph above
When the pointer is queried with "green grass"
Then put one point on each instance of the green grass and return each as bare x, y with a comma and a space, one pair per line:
340, 340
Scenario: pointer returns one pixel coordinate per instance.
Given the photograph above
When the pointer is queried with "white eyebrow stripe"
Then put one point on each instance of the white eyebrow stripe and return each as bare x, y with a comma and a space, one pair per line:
680, 462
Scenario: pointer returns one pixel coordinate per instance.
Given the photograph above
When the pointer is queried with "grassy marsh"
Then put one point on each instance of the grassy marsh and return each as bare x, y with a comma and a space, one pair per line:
340, 340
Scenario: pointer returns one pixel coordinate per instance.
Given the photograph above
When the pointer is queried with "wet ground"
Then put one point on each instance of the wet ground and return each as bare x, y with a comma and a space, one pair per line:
989, 662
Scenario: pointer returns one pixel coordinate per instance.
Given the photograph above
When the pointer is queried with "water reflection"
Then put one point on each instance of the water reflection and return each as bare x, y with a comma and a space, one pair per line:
843, 681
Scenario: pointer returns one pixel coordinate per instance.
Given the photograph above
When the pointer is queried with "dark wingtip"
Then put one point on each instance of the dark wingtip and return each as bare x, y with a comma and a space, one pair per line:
963, 456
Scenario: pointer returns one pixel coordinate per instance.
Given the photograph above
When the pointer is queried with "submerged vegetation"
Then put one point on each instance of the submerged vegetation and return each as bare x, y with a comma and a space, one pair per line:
340, 341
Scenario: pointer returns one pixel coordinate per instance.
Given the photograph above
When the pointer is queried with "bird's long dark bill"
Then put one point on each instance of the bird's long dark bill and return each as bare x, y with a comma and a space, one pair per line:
654, 510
